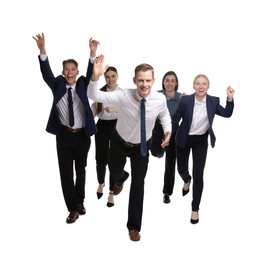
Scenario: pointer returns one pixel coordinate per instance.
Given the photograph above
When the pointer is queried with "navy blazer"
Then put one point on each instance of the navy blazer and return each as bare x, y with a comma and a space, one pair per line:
58, 88
185, 112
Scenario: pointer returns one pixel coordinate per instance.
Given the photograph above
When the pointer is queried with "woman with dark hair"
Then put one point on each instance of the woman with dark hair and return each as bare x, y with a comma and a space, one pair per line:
107, 118
169, 89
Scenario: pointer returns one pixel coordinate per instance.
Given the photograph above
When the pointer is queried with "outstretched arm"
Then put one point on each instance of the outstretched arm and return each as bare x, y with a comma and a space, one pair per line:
40, 41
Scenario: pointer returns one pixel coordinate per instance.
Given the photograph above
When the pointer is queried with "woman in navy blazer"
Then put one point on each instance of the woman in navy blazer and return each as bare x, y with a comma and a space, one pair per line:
196, 113
72, 138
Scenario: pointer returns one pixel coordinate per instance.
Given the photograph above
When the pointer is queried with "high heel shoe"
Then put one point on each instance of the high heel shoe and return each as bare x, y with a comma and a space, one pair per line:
195, 221
99, 192
110, 202
185, 192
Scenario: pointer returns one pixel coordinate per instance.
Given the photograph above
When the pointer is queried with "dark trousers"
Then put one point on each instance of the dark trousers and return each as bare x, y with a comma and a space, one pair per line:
102, 145
119, 151
170, 167
170, 156
72, 150
156, 140
198, 144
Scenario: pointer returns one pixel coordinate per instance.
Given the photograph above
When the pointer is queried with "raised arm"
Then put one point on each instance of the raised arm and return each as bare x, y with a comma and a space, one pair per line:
40, 41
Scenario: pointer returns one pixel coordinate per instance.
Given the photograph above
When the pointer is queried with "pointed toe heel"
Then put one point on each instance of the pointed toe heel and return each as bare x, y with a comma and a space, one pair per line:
186, 191
99, 192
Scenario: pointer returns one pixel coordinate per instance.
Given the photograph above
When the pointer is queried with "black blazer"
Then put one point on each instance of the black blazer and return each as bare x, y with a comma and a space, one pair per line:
58, 88
185, 112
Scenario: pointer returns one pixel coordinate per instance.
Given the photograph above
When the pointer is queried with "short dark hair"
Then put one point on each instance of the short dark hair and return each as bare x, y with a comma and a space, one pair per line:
70, 61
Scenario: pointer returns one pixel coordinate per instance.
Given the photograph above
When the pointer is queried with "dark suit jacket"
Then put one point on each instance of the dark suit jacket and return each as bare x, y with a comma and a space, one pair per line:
185, 112
58, 88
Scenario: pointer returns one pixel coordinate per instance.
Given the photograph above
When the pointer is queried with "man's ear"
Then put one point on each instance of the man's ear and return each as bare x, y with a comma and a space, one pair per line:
134, 80
78, 72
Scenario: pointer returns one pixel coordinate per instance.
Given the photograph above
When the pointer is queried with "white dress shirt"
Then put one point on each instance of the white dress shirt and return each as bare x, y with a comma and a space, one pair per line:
128, 103
62, 105
104, 115
200, 123
78, 107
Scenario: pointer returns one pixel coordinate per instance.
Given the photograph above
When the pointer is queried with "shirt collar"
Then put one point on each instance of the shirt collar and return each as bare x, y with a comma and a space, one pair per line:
200, 102
140, 98
72, 86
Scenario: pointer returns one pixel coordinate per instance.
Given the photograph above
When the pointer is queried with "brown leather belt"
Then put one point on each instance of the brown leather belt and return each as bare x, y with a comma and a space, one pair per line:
73, 130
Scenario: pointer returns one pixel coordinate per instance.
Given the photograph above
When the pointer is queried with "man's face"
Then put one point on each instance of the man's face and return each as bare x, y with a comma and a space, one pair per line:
144, 81
70, 73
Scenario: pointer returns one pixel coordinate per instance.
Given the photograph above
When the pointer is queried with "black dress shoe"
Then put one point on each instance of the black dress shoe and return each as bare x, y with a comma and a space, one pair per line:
166, 198
72, 217
81, 209
119, 186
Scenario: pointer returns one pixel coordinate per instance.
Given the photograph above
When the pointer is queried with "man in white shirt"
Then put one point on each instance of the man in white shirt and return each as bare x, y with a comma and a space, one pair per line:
126, 139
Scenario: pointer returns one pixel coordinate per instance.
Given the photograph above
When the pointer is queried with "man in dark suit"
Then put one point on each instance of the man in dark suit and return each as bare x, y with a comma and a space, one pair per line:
71, 120
196, 113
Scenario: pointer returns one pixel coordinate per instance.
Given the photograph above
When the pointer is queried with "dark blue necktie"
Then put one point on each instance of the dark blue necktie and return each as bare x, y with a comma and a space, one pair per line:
143, 146
70, 107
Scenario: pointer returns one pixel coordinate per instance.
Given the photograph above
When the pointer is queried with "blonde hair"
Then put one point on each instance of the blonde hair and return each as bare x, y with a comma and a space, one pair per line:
200, 76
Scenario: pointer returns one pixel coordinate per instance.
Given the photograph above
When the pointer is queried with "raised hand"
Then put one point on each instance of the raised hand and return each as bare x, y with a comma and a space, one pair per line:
230, 93
93, 44
98, 67
40, 41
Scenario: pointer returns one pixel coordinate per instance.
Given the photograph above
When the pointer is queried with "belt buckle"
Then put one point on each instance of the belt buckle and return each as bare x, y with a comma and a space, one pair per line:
129, 145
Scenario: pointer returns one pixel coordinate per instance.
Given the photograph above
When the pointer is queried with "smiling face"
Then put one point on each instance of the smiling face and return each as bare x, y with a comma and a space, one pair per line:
200, 85
170, 83
144, 79
70, 71
111, 77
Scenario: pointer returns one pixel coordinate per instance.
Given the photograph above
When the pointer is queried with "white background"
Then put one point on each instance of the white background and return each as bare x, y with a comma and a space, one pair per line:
226, 40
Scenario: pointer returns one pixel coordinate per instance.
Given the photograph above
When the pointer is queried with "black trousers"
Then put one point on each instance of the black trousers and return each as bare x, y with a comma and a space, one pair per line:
170, 156
170, 167
72, 150
119, 152
156, 140
102, 146
198, 144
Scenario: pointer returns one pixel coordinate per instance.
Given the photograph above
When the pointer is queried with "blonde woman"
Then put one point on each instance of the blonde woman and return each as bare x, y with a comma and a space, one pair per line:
196, 113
